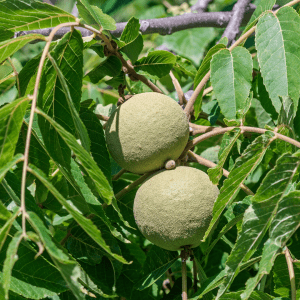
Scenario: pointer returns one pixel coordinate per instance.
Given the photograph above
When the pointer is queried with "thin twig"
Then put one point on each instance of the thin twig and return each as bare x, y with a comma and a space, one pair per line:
184, 275
118, 175
234, 24
16, 74
200, 5
178, 89
213, 131
33, 106
101, 117
207, 163
195, 272
204, 80
164, 26
289, 262
131, 186
126, 65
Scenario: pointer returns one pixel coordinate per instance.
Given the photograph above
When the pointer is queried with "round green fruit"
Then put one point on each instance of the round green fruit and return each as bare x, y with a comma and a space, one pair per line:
146, 131
173, 208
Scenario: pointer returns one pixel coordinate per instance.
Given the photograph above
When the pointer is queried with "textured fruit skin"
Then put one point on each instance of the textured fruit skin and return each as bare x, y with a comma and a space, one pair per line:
146, 131
173, 208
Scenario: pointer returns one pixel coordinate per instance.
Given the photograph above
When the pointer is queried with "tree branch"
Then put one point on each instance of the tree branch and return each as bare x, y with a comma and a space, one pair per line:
212, 131
207, 163
163, 26
201, 5
289, 262
234, 24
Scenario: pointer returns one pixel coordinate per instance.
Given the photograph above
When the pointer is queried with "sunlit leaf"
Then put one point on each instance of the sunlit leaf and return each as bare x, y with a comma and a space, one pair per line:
85, 223
278, 53
228, 142
19, 15
258, 217
11, 118
231, 76
243, 167
157, 63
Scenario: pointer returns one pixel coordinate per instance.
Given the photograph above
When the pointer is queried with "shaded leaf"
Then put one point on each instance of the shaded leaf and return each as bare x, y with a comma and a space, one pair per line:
231, 77
149, 279
202, 71
258, 217
101, 183
17, 158
28, 275
130, 32
11, 118
29, 15
110, 67
79, 126
278, 52
11, 258
68, 269
285, 223
157, 63
185, 42
244, 165
134, 49
85, 223
8, 48
4, 230
228, 142
282, 283
185, 66
93, 15
98, 144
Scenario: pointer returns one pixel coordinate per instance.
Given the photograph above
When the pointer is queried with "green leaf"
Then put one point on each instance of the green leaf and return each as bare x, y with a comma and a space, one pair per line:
278, 52
112, 66
28, 275
93, 15
8, 48
96, 134
285, 125
283, 226
79, 126
185, 66
11, 258
68, 269
11, 118
261, 7
12, 186
4, 230
157, 263
228, 142
148, 280
4, 213
130, 32
231, 77
244, 166
52, 99
257, 295
19, 15
202, 71
101, 183
190, 43
17, 158
262, 95
85, 223
157, 63
134, 49
281, 278
258, 217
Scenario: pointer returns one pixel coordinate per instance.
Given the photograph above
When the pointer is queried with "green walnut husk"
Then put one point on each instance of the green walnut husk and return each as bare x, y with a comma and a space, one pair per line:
146, 131
173, 208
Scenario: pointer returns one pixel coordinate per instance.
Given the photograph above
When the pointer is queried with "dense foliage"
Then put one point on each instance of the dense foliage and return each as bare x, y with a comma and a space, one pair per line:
67, 229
